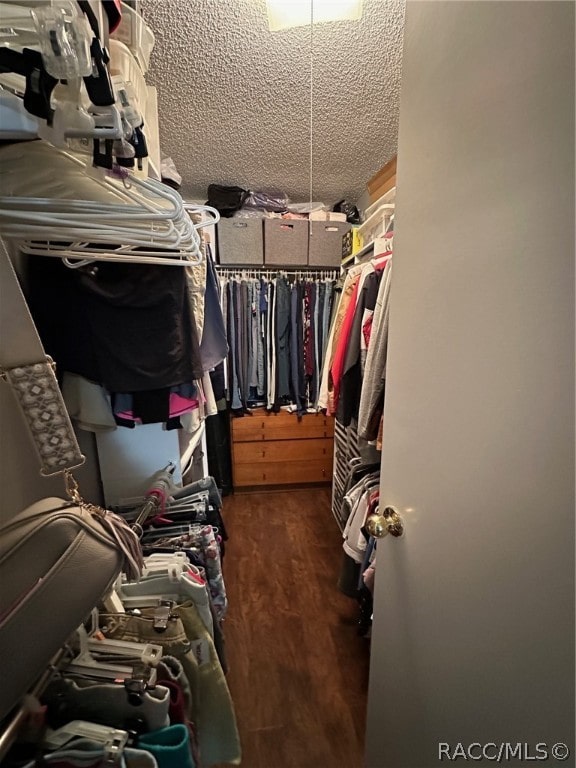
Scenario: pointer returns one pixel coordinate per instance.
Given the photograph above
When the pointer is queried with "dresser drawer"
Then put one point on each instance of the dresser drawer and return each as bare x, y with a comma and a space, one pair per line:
281, 426
283, 473
283, 450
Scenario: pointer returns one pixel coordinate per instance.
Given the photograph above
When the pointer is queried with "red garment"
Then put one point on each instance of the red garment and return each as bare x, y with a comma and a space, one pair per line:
367, 329
113, 10
379, 266
341, 346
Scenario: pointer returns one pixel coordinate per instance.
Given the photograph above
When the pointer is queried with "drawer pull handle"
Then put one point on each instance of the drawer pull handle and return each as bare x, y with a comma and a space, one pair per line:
263, 454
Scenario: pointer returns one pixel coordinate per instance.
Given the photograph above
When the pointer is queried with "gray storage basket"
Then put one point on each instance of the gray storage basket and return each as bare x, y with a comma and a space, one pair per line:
240, 241
286, 242
325, 248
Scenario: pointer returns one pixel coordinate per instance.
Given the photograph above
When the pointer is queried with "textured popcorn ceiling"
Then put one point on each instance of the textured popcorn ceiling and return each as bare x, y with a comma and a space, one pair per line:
234, 98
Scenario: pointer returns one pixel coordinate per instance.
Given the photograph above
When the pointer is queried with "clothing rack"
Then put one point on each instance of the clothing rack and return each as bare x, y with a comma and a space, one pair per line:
298, 274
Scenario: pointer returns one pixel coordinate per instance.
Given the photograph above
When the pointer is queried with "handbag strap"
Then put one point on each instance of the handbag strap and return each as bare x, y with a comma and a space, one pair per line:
30, 373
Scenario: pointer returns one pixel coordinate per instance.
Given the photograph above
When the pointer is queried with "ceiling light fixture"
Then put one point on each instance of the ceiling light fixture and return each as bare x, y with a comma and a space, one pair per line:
283, 14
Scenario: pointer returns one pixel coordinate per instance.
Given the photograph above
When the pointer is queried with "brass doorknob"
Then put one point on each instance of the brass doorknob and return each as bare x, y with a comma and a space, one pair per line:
381, 523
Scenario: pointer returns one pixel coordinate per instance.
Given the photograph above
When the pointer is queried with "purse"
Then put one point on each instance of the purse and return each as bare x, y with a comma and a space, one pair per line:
58, 558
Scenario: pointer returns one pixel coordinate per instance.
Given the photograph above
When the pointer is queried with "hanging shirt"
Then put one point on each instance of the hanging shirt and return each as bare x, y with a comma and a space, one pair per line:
351, 381
214, 345
372, 396
128, 327
340, 352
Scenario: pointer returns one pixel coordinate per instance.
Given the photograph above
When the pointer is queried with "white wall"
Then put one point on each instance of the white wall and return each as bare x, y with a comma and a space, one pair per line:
474, 629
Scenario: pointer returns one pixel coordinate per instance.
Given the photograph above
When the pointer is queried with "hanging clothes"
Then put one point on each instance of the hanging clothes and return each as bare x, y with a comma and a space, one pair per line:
354, 372
371, 406
351, 378
126, 340
277, 327
214, 342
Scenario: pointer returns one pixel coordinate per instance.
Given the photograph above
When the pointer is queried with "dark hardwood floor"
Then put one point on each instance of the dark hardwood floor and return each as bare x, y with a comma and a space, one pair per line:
298, 670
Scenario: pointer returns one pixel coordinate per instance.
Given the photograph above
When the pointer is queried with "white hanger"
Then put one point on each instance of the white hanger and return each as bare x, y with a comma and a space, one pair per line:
142, 214
85, 664
112, 739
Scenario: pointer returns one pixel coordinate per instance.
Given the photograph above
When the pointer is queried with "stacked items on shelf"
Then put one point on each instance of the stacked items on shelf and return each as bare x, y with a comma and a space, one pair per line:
370, 237
265, 228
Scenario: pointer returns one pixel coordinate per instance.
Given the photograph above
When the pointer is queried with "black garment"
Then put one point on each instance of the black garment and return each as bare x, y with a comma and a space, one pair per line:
247, 338
237, 309
226, 200
301, 373
270, 320
313, 332
128, 327
294, 350
230, 332
282, 337
218, 443
152, 406
351, 383
244, 341
320, 329
217, 380
348, 576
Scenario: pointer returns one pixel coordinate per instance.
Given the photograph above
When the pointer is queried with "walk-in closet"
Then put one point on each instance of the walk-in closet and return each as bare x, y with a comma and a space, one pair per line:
286, 383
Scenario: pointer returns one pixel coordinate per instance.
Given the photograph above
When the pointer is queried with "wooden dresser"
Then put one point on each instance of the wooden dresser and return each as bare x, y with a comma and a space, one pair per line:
280, 449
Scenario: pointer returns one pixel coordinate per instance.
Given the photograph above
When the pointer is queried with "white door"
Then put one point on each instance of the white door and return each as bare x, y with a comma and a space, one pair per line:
473, 639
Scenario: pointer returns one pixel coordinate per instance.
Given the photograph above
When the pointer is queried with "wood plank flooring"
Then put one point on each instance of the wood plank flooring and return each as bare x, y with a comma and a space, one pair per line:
298, 671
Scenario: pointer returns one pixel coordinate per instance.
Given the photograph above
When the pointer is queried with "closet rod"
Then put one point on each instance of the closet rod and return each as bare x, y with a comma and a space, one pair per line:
329, 273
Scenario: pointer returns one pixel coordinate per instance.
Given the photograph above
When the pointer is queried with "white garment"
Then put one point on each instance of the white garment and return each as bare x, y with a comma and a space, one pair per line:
354, 542
87, 403
210, 407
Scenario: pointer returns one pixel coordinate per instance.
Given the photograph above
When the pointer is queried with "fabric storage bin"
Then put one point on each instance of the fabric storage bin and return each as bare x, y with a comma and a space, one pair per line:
325, 248
240, 241
286, 242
